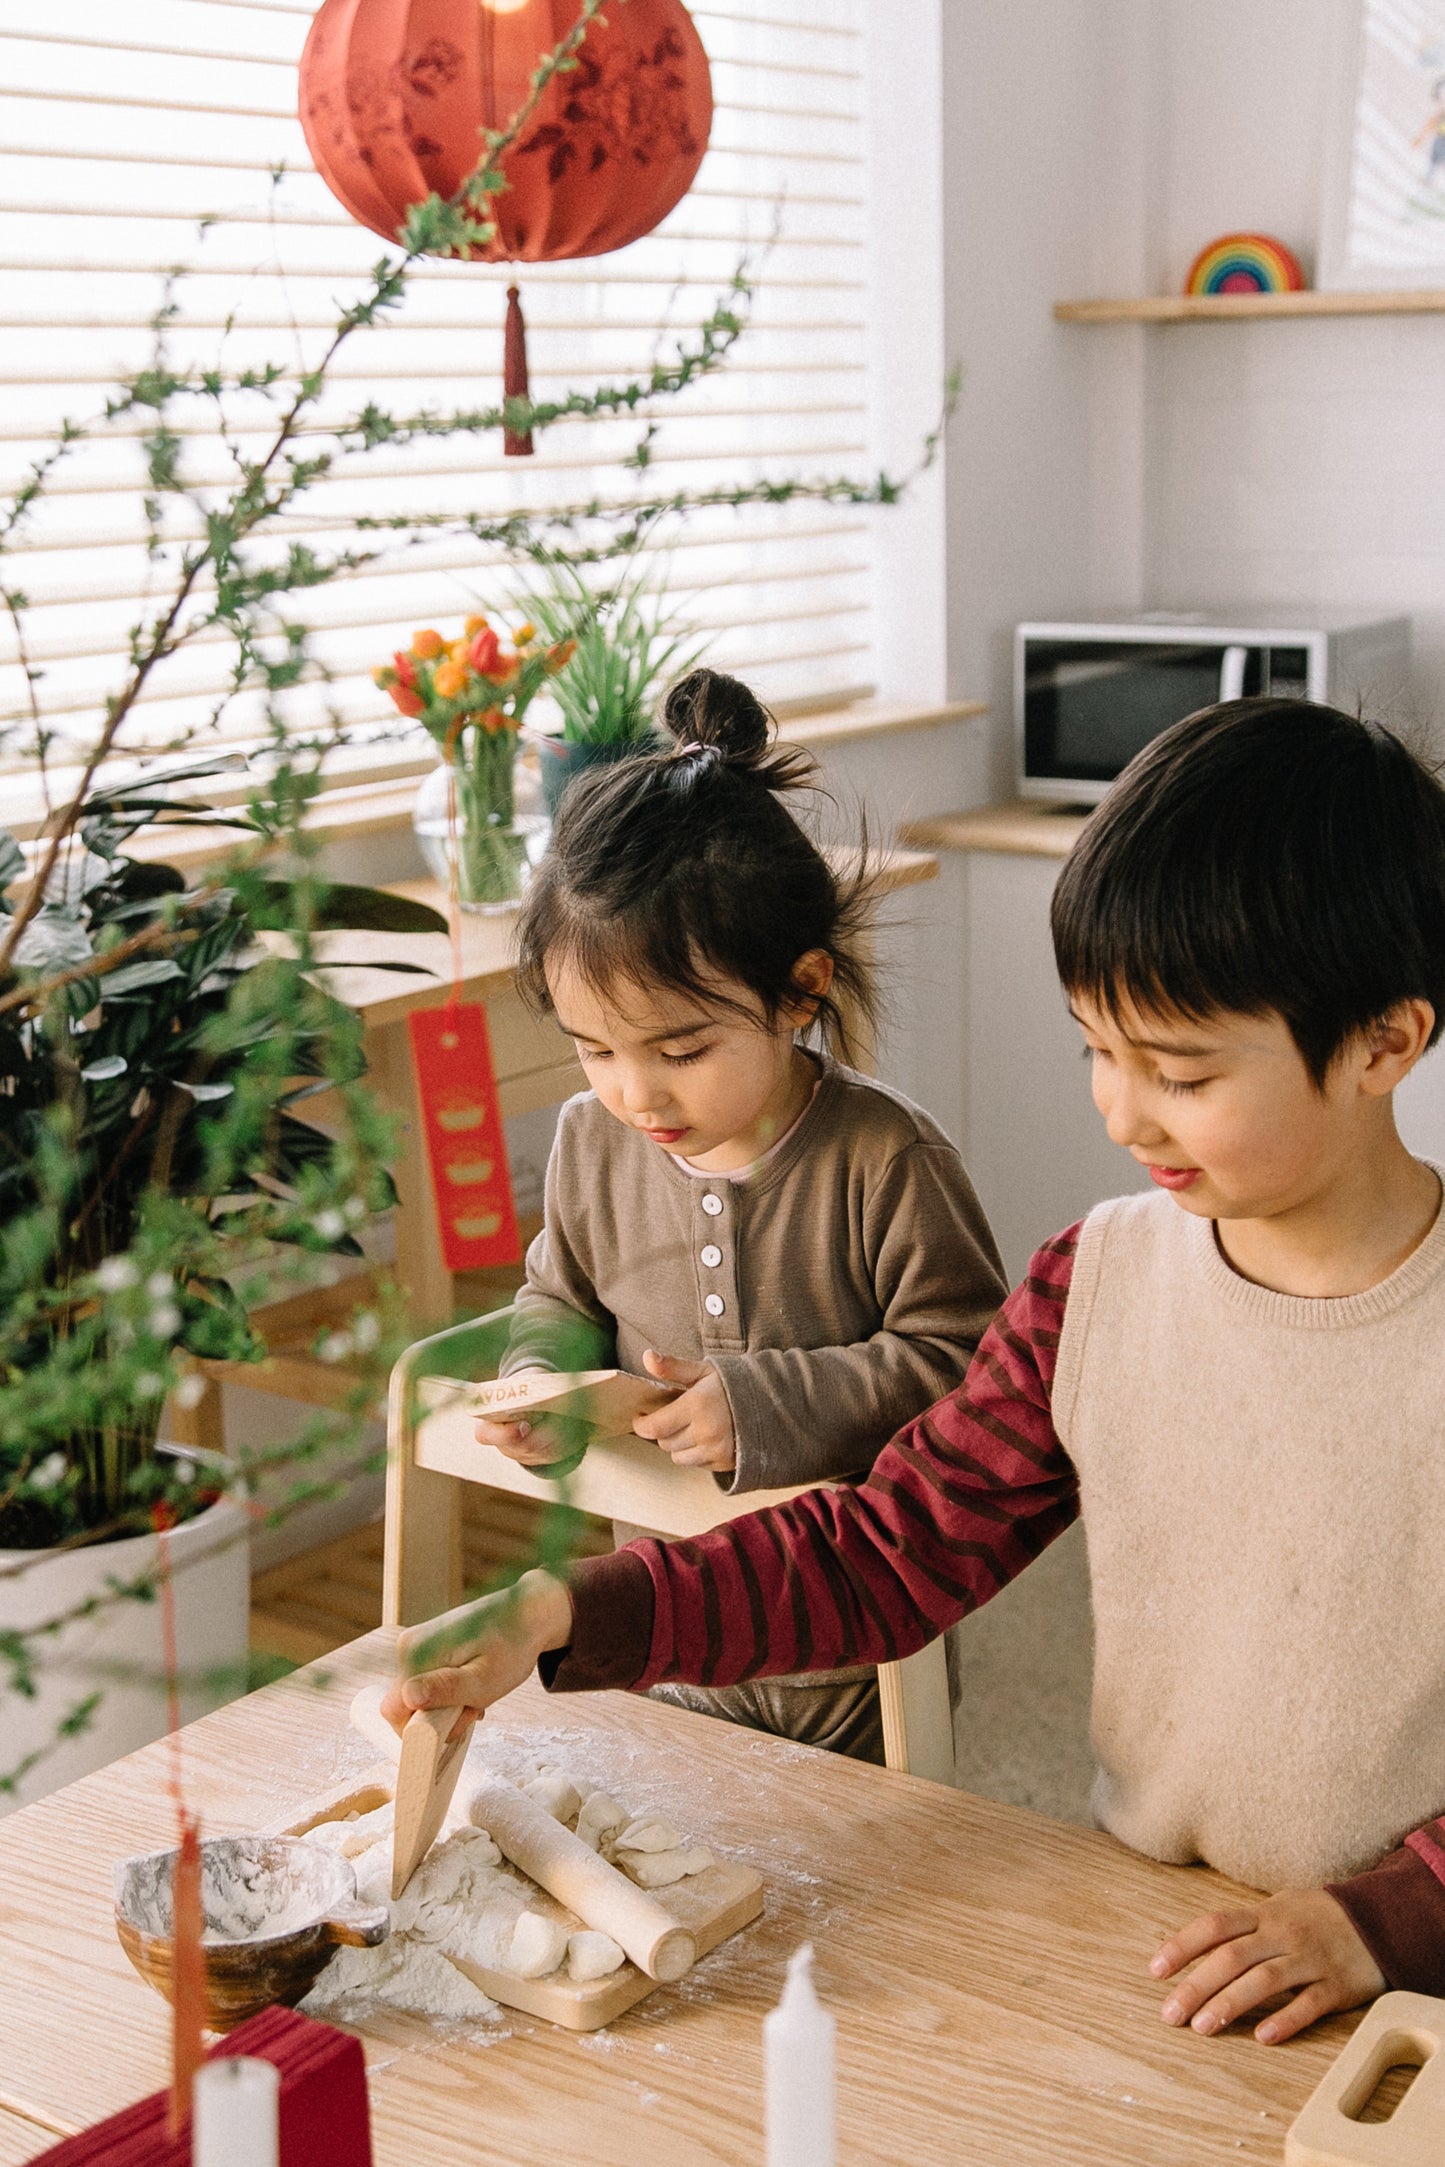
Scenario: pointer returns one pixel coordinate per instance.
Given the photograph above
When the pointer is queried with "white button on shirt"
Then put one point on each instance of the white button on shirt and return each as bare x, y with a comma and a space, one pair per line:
714, 1305
712, 1205
712, 1256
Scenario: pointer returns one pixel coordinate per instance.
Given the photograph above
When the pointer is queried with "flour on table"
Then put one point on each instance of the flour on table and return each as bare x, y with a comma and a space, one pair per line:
465, 1901
460, 1900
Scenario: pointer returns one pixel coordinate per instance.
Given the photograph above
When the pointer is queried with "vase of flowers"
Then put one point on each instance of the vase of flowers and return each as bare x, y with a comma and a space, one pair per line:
472, 693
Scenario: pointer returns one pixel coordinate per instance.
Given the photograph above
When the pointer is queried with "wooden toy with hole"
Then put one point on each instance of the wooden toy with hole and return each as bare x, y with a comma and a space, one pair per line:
1401, 2032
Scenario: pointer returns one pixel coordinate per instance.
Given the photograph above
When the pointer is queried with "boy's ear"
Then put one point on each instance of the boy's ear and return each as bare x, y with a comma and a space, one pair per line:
812, 976
1395, 1043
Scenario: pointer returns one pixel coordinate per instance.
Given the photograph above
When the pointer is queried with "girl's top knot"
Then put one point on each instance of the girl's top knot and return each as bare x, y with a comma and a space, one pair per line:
707, 712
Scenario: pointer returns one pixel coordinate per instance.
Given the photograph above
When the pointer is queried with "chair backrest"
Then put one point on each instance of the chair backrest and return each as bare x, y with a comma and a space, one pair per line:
431, 1437
618, 1478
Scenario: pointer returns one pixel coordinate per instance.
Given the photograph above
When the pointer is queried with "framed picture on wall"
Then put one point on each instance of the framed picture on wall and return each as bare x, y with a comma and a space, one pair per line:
1384, 210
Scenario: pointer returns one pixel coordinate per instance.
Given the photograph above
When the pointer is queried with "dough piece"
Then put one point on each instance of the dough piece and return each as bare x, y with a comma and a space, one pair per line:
649, 1833
600, 1815
537, 1946
659, 1869
356, 1834
593, 1956
555, 1794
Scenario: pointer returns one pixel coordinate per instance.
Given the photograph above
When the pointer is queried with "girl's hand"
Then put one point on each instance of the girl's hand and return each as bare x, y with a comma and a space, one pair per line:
697, 1428
529, 1443
1301, 1939
472, 1656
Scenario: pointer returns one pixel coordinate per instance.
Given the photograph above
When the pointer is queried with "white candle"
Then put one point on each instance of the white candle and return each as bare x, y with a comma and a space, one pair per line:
798, 2060
234, 2113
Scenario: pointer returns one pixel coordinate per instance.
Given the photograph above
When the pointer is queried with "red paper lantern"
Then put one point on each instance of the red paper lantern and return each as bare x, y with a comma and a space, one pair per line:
394, 94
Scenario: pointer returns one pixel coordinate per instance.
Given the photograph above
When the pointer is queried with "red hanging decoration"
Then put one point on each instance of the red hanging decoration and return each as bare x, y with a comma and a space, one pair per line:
514, 373
394, 94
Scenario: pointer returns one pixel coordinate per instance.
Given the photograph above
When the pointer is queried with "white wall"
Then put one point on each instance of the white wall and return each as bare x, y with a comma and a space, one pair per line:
1094, 146
1295, 461
1044, 187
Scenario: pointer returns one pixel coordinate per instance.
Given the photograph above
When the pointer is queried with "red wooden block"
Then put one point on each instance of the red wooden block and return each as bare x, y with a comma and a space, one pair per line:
325, 2120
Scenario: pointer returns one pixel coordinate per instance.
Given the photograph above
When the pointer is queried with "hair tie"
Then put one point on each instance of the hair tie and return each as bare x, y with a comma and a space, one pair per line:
692, 746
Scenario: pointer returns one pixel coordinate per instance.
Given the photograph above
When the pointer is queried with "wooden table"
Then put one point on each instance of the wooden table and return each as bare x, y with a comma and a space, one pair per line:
987, 1967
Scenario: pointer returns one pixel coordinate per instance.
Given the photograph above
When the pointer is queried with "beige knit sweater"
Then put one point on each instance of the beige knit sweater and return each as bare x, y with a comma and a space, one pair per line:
1263, 1489
838, 1291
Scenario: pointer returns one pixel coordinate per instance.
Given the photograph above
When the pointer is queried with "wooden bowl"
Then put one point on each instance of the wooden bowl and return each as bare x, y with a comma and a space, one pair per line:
313, 1889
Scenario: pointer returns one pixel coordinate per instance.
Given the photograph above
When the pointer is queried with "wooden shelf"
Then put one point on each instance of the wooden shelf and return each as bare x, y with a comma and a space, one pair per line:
1024, 829
1183, 308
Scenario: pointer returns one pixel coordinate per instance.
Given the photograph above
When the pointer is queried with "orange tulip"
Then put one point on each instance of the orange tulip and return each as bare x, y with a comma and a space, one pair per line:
474, 625
426, 646
458, 651
450, 678
524, 633
558, 657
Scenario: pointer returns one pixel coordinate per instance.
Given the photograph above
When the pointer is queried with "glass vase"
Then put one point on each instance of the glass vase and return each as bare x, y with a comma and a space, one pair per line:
484, 817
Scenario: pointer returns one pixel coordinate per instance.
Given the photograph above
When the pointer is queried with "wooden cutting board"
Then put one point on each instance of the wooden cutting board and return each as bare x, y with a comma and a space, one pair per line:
710, 1905
1401, 2028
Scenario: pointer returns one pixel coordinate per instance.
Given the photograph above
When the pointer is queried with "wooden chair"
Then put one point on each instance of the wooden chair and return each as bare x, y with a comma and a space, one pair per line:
432, 1450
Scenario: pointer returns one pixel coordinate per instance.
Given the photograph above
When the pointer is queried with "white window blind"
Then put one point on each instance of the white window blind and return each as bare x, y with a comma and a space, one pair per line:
122, 126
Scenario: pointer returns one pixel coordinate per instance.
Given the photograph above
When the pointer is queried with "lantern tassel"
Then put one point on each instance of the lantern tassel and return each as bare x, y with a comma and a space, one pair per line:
514, 373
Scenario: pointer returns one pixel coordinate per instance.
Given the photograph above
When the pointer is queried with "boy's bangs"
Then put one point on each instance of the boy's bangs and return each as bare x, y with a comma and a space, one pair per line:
1262, 857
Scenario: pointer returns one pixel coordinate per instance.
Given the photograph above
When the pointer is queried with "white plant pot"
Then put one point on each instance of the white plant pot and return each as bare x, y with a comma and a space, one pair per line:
118, 1651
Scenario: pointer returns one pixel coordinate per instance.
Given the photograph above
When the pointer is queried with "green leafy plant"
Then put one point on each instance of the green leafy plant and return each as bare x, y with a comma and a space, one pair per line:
626, 643
154, 1048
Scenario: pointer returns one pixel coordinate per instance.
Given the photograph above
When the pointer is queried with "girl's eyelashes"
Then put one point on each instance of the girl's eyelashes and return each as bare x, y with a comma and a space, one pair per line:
685, 1060
1182, 1088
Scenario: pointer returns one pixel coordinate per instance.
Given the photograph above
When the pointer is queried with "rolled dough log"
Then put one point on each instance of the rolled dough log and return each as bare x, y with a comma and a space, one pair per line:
601, 1897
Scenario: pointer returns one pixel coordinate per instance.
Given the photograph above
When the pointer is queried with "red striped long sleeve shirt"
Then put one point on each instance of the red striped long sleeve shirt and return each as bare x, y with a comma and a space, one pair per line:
957, 1504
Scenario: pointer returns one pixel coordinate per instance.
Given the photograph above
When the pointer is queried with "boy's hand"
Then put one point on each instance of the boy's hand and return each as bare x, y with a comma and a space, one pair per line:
1301, 1939
697, 1428
472, 1656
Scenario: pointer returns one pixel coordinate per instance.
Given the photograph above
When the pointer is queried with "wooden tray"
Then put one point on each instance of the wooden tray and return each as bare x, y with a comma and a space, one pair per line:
1401, 2028
710, 1905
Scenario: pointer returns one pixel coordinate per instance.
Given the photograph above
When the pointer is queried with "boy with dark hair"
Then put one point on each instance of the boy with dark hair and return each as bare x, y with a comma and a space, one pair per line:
1238, 1382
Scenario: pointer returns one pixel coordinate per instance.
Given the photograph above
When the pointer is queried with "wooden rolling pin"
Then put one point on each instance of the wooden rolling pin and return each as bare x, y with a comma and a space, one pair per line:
603, 1898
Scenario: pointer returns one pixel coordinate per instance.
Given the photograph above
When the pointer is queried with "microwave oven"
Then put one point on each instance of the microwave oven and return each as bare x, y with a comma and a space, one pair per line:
1088, 696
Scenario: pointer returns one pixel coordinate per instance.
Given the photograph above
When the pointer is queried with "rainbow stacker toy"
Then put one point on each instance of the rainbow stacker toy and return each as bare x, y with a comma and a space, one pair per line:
1245, 263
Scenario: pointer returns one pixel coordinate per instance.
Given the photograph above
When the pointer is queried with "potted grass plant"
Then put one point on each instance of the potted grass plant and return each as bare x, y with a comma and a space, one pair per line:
625, 643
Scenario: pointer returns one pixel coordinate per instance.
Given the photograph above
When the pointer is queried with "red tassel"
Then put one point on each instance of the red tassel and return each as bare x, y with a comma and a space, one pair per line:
189, 1981
514, 373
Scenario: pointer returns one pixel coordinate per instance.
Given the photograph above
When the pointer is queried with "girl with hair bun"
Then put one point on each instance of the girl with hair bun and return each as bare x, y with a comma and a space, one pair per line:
730, 1207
